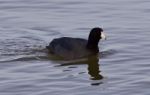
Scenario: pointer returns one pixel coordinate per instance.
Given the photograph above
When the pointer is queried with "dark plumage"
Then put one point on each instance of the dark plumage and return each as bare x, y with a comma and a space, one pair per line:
73, 48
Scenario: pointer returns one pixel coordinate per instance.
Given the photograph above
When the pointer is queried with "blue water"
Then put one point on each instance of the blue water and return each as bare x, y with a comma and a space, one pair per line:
27, 26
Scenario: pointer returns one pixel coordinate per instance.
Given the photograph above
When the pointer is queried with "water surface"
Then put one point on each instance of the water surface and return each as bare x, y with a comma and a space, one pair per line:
27, 26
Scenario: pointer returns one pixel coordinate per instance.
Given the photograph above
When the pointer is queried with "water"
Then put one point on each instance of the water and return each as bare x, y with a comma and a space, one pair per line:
27, 26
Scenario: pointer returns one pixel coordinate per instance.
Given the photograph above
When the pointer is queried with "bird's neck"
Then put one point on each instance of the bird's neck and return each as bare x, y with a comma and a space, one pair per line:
93, 46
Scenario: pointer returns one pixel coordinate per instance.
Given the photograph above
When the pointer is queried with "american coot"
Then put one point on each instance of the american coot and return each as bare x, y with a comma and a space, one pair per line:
74, 48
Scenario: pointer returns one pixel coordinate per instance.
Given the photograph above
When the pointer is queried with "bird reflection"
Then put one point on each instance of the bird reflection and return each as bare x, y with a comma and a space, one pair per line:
93, 68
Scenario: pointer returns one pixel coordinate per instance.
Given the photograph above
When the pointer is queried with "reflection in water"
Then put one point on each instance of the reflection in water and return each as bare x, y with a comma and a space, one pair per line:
93, 68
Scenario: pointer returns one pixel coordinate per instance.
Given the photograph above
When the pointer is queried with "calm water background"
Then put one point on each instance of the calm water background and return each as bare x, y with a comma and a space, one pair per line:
27, 26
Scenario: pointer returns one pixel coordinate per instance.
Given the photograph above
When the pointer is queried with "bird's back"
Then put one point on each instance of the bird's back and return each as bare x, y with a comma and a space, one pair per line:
70, 48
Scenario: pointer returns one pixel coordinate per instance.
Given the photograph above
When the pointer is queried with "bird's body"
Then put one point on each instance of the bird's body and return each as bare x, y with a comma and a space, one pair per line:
69, 48
74, 48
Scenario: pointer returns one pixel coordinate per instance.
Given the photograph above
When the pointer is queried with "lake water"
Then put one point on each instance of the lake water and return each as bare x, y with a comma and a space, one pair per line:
27, 26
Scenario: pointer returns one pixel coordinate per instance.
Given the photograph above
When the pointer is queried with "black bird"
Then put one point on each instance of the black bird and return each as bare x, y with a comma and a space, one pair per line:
74, 48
